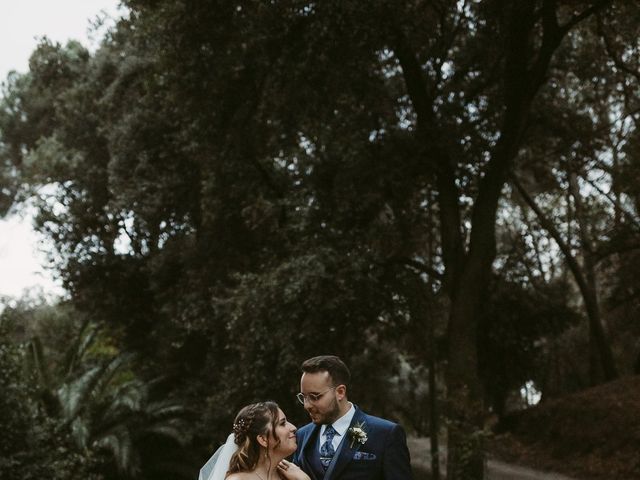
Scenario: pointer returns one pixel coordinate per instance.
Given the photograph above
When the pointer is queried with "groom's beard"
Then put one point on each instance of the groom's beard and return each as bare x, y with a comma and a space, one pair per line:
329, 416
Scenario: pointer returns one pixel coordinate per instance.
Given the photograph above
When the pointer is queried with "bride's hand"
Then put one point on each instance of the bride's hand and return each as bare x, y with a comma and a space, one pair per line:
290, 471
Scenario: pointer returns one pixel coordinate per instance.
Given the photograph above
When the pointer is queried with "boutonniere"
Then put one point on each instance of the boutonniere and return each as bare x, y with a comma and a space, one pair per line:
357, 434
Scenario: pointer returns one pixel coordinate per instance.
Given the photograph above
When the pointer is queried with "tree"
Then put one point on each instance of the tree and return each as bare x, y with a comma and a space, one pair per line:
94, 396
81, 395
26, 448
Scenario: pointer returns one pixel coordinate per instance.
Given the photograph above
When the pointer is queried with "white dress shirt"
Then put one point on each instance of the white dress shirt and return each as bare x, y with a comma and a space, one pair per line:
341, 426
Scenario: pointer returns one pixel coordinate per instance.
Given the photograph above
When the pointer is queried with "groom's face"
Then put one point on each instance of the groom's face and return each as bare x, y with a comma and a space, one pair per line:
324, 410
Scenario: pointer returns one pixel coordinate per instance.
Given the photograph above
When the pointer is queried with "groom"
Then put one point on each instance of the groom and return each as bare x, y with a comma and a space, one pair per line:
343, 442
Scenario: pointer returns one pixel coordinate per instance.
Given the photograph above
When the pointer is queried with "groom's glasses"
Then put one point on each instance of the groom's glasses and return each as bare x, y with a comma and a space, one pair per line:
311, 397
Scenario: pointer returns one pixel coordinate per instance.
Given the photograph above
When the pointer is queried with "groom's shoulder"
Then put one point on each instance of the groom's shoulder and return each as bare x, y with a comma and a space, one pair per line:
378, 422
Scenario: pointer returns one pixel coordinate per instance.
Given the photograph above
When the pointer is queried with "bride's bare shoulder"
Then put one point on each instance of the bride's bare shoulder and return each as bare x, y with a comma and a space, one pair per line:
240, 476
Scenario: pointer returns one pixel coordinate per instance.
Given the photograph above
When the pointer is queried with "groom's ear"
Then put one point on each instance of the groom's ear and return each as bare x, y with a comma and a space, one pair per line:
262, 440
341, 391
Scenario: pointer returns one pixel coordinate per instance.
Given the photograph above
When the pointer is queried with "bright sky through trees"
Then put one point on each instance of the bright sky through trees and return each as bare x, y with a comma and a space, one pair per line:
21, 25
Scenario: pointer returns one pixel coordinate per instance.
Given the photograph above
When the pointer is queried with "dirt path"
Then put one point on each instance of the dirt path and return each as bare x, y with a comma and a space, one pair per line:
496, 469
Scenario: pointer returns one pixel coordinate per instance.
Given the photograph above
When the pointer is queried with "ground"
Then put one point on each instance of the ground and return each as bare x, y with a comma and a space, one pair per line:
590, 435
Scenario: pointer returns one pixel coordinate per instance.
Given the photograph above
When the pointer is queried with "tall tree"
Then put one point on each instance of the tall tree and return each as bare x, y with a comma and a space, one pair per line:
528, 38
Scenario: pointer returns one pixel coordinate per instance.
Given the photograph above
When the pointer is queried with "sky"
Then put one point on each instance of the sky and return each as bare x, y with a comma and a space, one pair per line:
22, 23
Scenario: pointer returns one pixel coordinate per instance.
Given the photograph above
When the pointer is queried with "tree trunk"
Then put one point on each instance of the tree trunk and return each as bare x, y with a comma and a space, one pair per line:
465, 410
602, 363
434, 414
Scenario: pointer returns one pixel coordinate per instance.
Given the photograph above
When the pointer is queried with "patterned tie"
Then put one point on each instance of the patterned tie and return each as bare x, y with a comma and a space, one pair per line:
326, 450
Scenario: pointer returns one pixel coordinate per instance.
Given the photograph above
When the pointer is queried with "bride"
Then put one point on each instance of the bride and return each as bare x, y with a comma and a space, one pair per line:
256, 450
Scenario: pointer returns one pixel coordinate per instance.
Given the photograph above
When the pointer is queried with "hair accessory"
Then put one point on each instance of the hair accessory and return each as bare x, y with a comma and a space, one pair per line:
240, 427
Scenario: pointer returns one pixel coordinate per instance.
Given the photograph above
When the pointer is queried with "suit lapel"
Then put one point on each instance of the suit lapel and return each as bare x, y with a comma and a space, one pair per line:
345, 452
308, 442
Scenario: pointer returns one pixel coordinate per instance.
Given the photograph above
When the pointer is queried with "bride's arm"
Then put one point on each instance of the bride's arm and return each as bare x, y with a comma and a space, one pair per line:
290, 471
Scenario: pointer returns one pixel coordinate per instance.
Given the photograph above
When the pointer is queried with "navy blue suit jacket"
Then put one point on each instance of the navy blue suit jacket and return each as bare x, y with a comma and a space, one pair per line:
384, 456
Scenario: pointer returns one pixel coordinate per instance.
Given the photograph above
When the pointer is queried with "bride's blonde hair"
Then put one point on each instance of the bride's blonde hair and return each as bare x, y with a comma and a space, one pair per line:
256, 419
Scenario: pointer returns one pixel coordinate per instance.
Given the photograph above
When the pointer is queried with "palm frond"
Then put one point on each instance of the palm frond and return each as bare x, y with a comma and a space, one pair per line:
74, 395
132, 395
36, 362
114, 366
75, 353
120, 444
80, 432
165, 409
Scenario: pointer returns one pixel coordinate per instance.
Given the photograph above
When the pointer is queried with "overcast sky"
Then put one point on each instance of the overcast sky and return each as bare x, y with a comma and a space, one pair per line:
22, 23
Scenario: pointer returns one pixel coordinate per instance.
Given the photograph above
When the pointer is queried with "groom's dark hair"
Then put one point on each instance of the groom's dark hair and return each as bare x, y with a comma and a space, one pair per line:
336, 368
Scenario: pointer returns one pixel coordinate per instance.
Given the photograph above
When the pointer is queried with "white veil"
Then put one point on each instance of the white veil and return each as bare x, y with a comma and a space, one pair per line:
218, 465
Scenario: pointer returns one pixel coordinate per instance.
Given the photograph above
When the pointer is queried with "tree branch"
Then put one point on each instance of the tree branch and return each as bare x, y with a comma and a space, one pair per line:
421, 267
587, 290
449, 210
593, 9
548, 225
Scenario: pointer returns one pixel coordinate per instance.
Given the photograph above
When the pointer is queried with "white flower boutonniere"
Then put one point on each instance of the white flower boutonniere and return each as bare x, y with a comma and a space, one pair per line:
357, 434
